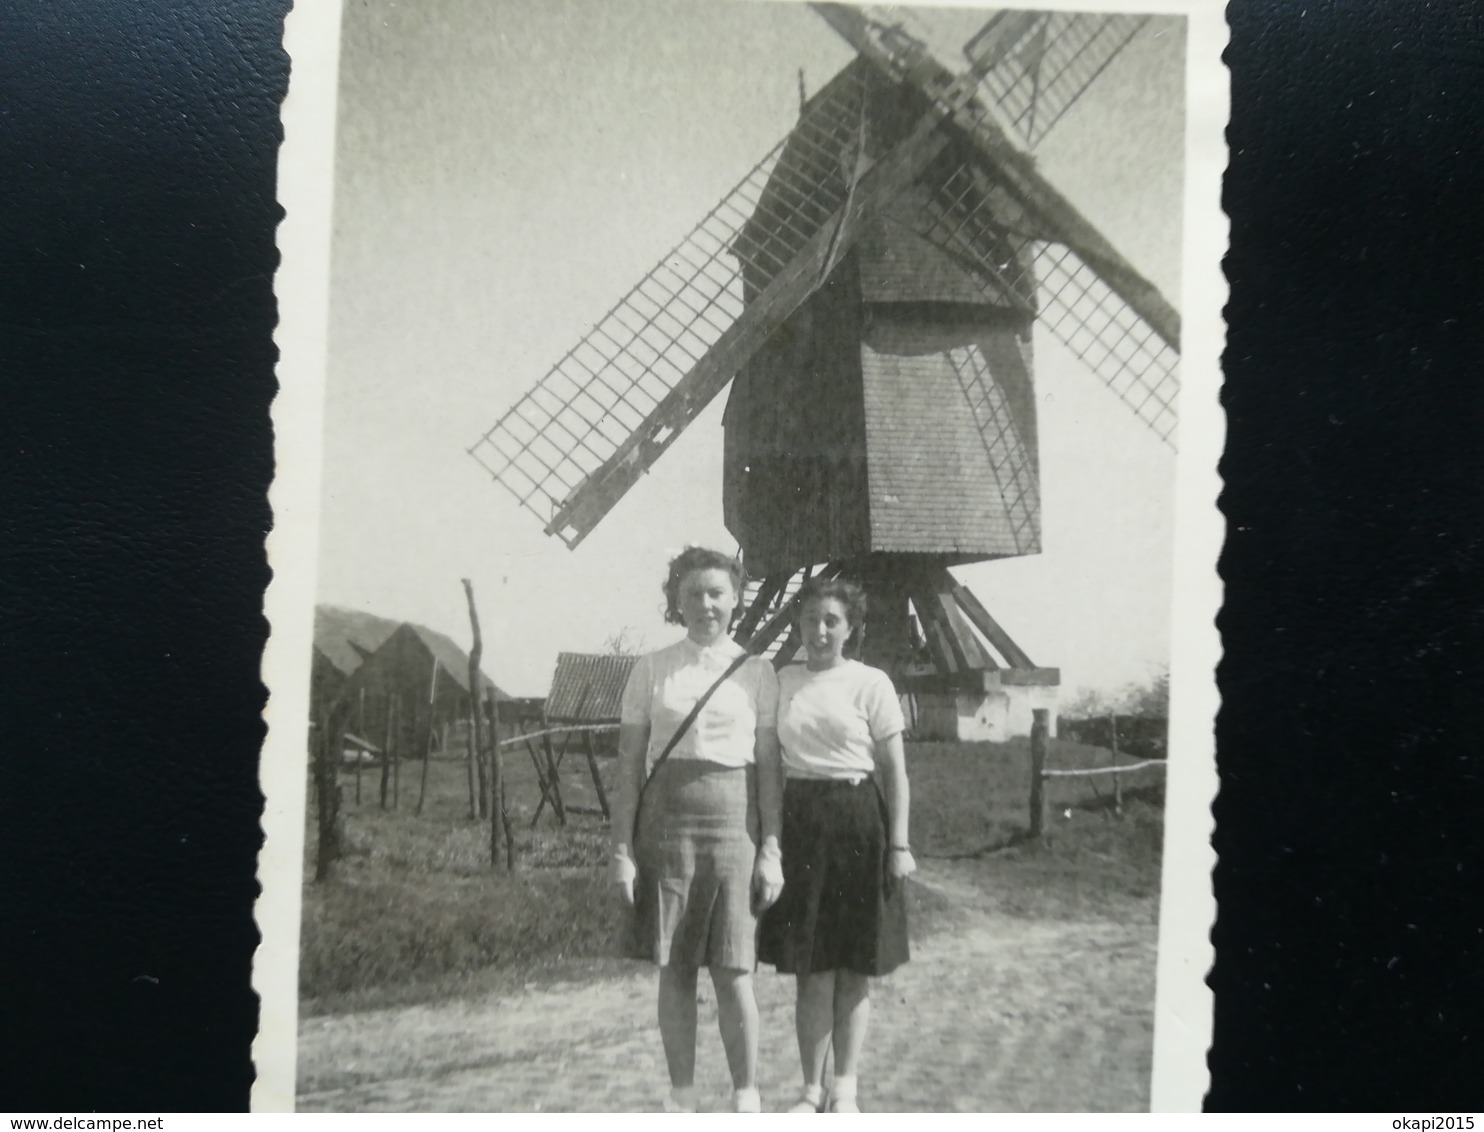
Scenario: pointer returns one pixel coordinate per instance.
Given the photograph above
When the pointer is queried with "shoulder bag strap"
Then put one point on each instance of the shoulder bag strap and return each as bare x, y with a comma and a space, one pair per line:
675, 738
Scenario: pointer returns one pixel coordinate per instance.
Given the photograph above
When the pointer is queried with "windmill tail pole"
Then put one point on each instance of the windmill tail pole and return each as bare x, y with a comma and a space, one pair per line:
475, 653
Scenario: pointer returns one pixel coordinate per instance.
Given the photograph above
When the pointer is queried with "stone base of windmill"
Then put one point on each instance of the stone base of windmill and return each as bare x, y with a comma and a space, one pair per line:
995, 711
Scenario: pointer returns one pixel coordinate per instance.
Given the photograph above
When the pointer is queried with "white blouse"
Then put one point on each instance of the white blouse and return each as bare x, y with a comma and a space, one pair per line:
665, 685
830, 721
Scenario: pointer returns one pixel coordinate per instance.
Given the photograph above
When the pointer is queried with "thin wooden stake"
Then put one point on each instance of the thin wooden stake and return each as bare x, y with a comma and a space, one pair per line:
476, 737
499, 813
360, 730
1117, 778
1040, 726
386, 746
396, 758
327, 789
592, 765
422, 789
318, 743
482, 764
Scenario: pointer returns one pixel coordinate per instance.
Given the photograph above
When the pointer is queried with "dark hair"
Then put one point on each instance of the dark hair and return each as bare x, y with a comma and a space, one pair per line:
688, 561
848, 594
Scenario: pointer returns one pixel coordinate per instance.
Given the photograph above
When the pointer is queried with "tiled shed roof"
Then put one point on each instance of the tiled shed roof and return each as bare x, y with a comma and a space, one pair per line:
348, 636
453, 660
588, 687
933, 485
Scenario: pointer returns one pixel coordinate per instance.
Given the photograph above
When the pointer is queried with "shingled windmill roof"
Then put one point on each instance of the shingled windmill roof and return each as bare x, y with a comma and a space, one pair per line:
897, 262
588, 688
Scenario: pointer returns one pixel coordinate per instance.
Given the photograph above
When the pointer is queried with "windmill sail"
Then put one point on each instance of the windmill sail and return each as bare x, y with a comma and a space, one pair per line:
1034, 65
1075, 302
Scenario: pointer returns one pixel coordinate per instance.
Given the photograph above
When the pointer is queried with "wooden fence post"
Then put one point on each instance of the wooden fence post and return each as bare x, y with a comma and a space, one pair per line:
1117, 778
553, 777
422, 789
397, 762
1040, 726
499, 815
361, 731
476, 736
592, 766
386, 747
482, 764
327, 789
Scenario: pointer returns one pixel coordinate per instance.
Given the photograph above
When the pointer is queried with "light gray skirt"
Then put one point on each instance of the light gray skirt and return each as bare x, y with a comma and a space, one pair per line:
698, 835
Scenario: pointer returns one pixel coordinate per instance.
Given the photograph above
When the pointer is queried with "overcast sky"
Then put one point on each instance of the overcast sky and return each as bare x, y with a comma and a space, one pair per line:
506, 170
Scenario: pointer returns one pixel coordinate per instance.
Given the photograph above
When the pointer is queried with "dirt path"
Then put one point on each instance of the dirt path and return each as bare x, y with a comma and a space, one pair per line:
993, 1014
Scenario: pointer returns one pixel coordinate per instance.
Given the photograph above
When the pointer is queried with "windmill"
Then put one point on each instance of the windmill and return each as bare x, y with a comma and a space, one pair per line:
869, 290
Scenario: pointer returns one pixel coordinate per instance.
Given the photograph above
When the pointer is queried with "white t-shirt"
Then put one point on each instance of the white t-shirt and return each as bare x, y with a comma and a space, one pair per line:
830, 721
665, 685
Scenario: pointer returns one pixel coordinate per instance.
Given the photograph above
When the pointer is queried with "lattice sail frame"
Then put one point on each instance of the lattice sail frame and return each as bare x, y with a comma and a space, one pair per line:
602, 405
1011, 459
1048, 62
1077, 306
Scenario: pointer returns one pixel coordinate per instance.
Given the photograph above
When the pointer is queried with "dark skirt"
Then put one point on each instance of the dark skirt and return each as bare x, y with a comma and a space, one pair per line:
840, 910
698, 835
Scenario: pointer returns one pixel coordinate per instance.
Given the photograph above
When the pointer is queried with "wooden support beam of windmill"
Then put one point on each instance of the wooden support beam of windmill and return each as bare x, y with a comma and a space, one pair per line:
948, 655
768, 589
762, 318
904, 59
981, 620
757, 639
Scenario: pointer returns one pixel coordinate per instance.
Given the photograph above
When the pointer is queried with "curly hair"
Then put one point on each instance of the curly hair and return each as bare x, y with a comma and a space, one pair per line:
848, 594
688, 561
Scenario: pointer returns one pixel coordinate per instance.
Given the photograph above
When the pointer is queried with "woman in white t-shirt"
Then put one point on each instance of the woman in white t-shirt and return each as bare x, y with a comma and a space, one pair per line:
842, 916
705, 862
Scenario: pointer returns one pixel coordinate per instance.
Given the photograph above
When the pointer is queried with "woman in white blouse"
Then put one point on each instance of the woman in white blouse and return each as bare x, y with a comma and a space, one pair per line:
706, 858
842, 917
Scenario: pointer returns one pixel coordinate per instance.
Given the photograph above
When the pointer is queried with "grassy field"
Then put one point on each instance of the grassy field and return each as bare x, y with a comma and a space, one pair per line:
414, 911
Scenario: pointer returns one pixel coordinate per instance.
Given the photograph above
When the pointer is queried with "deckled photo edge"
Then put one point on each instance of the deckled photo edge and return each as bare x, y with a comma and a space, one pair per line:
302, 289
1183, 1006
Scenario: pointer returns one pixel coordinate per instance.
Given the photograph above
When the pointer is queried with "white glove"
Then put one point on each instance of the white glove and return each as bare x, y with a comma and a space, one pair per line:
622, 869
900, 863
767, 877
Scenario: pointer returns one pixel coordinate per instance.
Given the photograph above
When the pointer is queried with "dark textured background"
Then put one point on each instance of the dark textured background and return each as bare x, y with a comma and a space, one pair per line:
137, 143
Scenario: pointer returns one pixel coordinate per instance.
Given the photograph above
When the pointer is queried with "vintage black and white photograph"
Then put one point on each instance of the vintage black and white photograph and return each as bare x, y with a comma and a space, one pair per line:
744, 558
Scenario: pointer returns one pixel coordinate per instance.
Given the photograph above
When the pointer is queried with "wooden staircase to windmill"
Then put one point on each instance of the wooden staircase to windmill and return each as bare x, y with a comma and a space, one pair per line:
870, 289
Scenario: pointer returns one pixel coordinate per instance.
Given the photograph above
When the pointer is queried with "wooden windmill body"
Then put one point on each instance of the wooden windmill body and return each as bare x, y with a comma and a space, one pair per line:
870, 290
888, 428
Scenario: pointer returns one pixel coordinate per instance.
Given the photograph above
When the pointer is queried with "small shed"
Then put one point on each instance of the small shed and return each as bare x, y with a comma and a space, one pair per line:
587, 688
343, 639
586, 691
521, 713
412, 689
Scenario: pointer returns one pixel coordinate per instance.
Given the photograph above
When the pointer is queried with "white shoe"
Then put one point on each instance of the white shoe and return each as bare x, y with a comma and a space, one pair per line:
807, 1103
